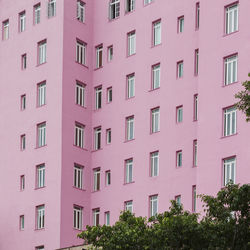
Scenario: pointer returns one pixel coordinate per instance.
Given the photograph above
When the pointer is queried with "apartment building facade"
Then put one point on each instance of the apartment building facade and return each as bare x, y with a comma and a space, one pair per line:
116, 104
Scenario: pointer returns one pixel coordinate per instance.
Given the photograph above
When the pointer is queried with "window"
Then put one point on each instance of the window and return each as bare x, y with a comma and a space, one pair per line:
96, 217
23, 61
78, 171
179, 114
79, 135
147, 1
180, 24
97, 138
22, 21
23, 142
156, 70
81, 52
194, 198
99, 50
155, 120
231, 68
231, 18
6, 32
129, 171
41, 95
37, 13
22, 182
108, 136
154, 164
156, 33
107, 218
196, 62
109, 95
108, 177
178, 200
97, 179
129, 206
153, 205
179, 158
77, 217
196, 107
40, 173
130, 86
22, 222
23, 102
80, 15
80, 94
114, 9
40, 248
229, 169
41, 131
42, 48
131, 43
51, 8
197, 16
180, 69
40, 214
130, 5
98, 97
195, 153
110, 53
130, 128
230, 121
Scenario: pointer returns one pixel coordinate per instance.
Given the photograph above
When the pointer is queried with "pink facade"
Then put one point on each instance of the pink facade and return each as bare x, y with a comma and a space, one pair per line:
181, 51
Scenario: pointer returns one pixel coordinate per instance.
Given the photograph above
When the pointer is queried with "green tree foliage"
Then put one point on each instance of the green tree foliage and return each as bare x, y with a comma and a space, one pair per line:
225, 225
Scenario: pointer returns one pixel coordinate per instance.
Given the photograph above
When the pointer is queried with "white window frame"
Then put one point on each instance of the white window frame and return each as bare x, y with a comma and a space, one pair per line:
51, 8
98, 97
40, 175
22, 222
42, 52
24, 61
40, 217
181, 24
37, 13
114, 9
232, 16
80, 11
179, 159
108, 178
130, 130
97, 180
22, 182
22, 21
130, 86
23, 142
110, 53
131, 43
79, 135
178, 200
155, 120
96, 217
129, 171
153, 205
41, 95
156, 76
180, 69
154, 164
130, 6
196, 107
80, 94
231, 69
41, 134
230, 121
78, 176
179, 114
196, 62
6, 31
195, 148
197, 17
81, 48
229, 170
194, 198
77, 217
107, 218
97, 138
23, 102
99, 56
156, 33
129, 206
147, 2
109, 94
108, 136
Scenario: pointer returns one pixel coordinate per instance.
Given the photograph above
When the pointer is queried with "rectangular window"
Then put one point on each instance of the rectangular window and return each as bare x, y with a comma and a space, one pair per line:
77, 222
196, 62
51, 8
196, 107
6, 32
108, 136
154, 164
157, 33
230, 69
179, 114
155, 120
180, 69
22, 222
42, 51
131, 43
108, 178
130, 86
153, 205
41, 95
129, 206
230, 121
195, 153
24, 61
179, 158
81, 52
98, 97
147, 2
231, 18
97, 179
78, 174
130, 128
40, 214
110, 53
107, 218
129, 171
156, 72
80, 15
22, 182
80, 94
99, 50
23, 102
180, 24
97, 138
37, 13
197, 16
96, 217
23, 142
194, 198
114, 9
109, 95
79, 135
40, 173
130, 5
41, 134
22, 21
229, 169
178, 200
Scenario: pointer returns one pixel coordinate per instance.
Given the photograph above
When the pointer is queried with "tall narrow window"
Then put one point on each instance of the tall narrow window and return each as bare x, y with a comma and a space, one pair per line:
109, 95
42, 51
40, 173
80, 14
80, 94
114, 9
196, 107
79, 135
154, 164
99, 50
180, 69
23, 142
195, 153
22, 182
97, 138
40, 214
179, 114
156, 32
51, 8
229, 169
230, 121
156, 73
77, 221
41, 134
129, 171
130, 128
178, 200
110, 53
24, 61
196, 62
22, 21
130, 5
194, 198
179, 158
108, 178
107, 218
108, 136
41, 95
197, 16
180, 24
23, 102
6, 32
232, 18
78, 172
37, 13
22, 222
155, 120
231, 69
130, 86
131, 43
97, 179
153, 205
96, 217
81, 52
129, 206
98, 97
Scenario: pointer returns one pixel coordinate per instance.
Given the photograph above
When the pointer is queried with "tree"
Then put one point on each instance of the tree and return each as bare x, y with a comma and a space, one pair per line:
244, 99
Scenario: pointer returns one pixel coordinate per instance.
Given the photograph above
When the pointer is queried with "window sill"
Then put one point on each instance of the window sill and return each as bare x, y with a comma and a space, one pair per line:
225, 34
37, 147
83, 22
39, 229
96, 191
40, 64
194, 166
145, 5
78, 230
155, 89
129, 12
156, 132
178, 167
129, 140
129, 98
96, 150
157, 45
131, 55
37, 188
227, 136
195, 120
129, 183
179, 78
98, 68
37, 106
84, 65
78, 105
97, 110
226, 85
80, 189
179, 123
80, 148
113, 19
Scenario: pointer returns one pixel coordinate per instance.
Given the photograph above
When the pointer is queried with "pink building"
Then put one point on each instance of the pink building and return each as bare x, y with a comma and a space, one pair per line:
108, 105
